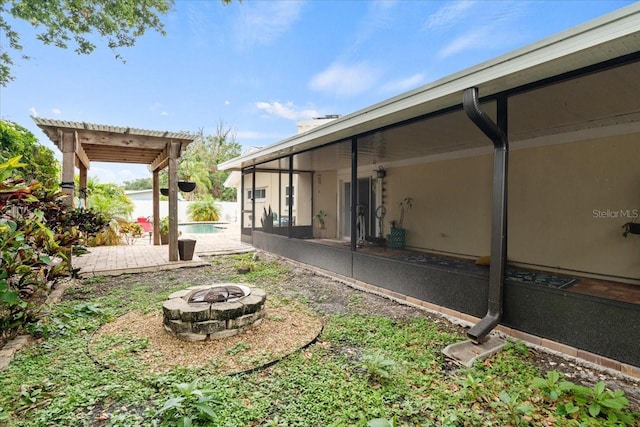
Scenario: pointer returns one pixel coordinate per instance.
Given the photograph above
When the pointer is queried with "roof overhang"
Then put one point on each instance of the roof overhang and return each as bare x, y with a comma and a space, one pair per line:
607, 38
104, 143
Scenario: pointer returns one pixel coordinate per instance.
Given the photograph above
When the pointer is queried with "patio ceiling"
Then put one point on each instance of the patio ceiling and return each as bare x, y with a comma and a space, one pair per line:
543, 101
115, 144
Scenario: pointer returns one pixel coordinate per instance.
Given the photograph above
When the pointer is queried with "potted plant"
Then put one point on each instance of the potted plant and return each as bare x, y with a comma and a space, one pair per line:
631, 228
267, 220
164, 230
397, 234
320, 216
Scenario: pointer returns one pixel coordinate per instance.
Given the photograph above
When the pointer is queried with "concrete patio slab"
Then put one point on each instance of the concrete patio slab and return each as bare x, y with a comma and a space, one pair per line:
142, 256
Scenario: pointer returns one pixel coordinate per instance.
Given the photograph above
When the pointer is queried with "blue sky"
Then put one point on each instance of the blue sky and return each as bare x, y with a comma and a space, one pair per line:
260, 66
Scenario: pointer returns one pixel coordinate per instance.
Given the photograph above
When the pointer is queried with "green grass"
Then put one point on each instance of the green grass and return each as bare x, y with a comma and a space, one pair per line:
331, 383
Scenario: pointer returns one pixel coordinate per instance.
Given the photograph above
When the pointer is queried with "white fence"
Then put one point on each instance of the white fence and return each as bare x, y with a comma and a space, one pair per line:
229, 211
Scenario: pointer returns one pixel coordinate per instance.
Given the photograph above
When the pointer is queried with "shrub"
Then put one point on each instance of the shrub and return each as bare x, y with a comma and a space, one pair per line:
204, 209
36, 228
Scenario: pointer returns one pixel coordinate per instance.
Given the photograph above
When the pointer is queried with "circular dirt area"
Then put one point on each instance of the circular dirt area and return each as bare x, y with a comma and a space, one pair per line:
140, 338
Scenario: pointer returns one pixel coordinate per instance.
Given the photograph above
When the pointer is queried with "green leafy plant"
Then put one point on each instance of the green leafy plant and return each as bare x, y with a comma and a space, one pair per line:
515, 409
130, 231
267, 220
586, 403
516, 347
472, 387
603, 403
551, 387
405, 205
164, 225
238, 348
320, 216
377, 366
204, 209
193, 406
35, 227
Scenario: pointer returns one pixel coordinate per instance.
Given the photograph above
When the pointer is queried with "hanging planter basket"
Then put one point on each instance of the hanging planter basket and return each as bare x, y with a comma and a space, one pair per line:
186, 186
164, 191
631, 228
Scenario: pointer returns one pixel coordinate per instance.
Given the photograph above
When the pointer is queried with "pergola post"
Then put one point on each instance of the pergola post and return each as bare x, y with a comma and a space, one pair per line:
156, 206
82, 194
68, 163
82, 161
174, 154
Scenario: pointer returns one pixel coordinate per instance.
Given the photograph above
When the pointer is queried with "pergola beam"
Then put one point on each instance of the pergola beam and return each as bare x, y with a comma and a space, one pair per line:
80, 153
161, 159
121, 140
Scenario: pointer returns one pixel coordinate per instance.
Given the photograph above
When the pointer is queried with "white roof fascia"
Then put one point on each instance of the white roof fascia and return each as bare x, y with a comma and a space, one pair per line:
447, 92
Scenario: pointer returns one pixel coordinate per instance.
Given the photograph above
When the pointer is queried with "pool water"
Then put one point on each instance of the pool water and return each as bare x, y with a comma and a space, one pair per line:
199, 228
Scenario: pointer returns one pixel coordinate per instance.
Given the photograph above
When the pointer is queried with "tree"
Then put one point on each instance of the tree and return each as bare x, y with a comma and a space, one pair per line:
40, 163
200, 160
138, 184
78, 21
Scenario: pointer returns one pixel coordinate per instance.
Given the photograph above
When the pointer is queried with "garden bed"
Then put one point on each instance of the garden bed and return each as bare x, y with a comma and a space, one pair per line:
375, 358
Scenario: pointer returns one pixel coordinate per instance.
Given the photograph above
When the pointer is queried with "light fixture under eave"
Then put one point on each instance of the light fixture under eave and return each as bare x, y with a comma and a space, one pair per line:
380, 172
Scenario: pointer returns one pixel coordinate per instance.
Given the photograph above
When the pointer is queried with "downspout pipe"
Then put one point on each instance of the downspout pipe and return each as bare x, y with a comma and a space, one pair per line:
498, 136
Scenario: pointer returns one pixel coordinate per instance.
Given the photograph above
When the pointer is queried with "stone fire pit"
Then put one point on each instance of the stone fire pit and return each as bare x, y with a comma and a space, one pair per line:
213, 311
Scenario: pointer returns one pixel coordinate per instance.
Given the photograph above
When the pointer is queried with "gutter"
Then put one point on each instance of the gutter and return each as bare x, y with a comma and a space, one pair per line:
498, 136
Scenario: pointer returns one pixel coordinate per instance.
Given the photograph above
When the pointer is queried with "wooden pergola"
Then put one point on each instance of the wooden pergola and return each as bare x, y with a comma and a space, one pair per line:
81, 143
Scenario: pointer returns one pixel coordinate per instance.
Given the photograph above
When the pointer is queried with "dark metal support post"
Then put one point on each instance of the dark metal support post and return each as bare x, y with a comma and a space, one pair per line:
498, 135
290, 230
253, 200
354, 192
242, 190
280, 199
312, 198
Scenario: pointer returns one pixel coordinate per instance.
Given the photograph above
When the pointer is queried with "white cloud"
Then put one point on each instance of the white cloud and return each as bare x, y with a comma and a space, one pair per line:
158, 108
286, 111
345, 80
260, 23
496, 27
480, 37
405, 84
449, 14
33, 111
378, 17
56, 111
227, 102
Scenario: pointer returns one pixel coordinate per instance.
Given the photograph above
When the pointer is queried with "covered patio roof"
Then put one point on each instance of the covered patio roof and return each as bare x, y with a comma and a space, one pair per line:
81, 143
608, 41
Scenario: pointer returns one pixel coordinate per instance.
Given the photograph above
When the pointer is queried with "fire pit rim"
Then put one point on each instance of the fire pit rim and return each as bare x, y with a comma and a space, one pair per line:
246, 290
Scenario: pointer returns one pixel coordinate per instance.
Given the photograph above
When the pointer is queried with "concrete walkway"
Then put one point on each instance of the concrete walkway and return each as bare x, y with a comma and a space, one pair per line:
143, 256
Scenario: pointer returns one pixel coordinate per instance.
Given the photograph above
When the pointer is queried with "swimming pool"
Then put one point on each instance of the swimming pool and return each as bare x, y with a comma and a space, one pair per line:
199, 227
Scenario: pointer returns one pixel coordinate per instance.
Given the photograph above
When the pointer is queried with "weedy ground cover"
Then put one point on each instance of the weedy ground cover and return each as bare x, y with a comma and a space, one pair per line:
375, 363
